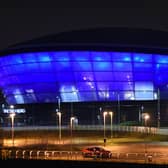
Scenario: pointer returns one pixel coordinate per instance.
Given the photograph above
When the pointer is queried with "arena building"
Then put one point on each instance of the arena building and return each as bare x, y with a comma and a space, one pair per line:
108, 68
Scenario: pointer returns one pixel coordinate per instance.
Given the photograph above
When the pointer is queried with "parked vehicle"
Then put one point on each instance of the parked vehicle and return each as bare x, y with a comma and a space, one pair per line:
96, 152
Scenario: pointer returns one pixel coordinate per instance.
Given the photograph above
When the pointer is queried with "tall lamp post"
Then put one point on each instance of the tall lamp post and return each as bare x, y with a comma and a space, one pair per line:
104, 119
12, 116
59, 103
111, 123
59, 117
71, 127
146, 118
158, 109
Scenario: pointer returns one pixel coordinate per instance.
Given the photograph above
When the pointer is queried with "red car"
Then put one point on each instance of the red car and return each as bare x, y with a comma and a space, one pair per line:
96, 152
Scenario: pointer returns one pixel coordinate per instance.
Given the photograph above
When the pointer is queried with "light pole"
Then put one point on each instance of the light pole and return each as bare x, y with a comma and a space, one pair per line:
146, 118
59, 103
111, 117
158, 109
59, 117
104, 117
71, 127
12, 116
118, 104
99, 115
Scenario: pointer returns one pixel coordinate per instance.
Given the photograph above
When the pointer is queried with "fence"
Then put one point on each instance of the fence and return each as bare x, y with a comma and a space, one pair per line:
140, 129
157, 158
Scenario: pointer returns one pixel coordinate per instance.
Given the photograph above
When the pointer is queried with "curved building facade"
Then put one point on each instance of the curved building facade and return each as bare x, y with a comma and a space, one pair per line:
77, 76
89, 65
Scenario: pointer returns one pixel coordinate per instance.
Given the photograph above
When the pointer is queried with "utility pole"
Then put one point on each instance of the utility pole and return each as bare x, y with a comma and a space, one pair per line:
118, 103
158, 108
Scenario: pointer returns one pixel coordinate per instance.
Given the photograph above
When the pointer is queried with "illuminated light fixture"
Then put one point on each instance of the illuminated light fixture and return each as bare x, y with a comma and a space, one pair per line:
29, 90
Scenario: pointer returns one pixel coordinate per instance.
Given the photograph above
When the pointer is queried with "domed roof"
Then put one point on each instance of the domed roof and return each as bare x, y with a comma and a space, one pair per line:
126, 39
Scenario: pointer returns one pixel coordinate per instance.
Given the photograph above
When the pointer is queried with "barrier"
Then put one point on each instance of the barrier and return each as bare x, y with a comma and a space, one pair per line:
77, 155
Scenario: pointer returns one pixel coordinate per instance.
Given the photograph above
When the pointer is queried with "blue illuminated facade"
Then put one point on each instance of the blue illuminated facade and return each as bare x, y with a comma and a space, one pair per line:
82, 76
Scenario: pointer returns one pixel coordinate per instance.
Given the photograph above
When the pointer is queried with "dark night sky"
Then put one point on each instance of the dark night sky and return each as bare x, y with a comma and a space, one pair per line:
32, 18
20, 22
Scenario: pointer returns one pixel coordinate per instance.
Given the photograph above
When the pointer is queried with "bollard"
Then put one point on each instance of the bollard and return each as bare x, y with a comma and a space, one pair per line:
149, 158
104, 142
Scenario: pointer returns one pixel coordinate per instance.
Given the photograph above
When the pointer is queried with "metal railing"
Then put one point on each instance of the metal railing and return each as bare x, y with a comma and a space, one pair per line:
140, 129
155, 157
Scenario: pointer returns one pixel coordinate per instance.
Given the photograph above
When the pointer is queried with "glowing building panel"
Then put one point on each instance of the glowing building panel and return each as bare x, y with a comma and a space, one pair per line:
78, 76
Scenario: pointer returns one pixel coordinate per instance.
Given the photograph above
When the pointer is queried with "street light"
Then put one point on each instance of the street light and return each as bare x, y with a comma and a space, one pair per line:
71, 127
59, 116
59, 103
146, 118
71, 122
12, 116
104, 117
158, 109
111, 117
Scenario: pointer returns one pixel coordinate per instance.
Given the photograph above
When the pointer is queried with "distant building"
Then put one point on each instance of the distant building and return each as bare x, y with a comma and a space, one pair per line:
93, 65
